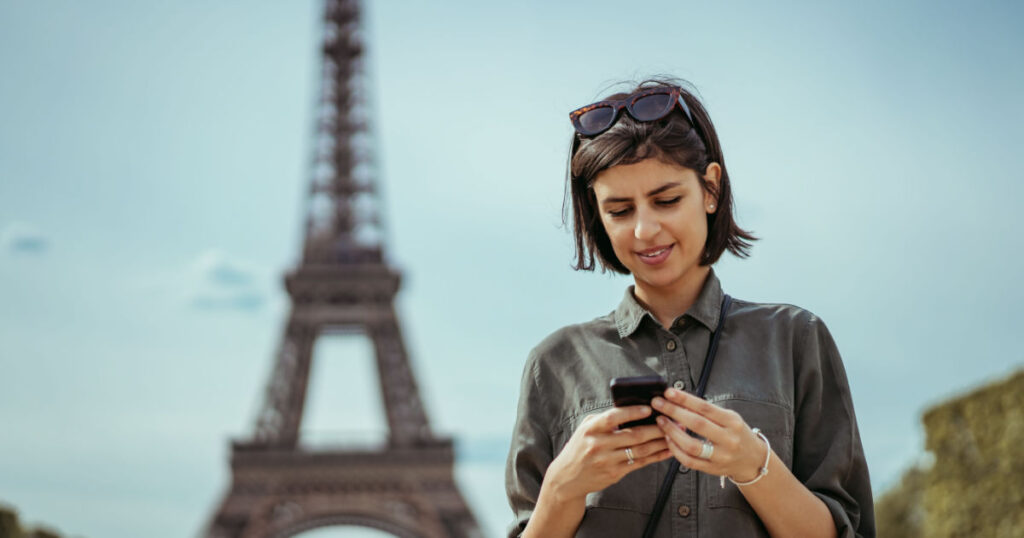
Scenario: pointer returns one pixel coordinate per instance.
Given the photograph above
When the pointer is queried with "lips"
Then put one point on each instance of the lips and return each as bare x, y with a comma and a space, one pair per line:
656, 255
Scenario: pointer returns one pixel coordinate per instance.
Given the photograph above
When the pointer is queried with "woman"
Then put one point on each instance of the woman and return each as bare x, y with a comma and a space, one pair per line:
773, 447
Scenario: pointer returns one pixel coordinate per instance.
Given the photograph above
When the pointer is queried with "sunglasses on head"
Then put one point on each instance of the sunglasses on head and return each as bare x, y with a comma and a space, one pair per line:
645, 105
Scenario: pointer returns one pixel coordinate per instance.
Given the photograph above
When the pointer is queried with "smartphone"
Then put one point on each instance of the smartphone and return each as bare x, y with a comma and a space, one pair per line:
638, 391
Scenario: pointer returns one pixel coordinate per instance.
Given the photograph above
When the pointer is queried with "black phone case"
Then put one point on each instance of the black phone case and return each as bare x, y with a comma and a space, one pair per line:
637, 391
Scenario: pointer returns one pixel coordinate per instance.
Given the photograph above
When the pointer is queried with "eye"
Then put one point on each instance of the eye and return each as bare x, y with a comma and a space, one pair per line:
668, 201
615, 213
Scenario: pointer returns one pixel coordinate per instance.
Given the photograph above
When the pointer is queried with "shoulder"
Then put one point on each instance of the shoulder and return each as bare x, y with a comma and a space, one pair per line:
567, 343
801, 332
785, 313
802, 341
563, 356
554, 362
776, 316
797, 332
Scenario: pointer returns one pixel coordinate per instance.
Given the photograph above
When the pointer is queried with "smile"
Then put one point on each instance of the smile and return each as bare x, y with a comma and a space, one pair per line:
656, 255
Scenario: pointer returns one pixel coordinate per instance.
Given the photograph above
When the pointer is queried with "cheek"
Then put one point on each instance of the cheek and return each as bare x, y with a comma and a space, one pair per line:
620, 237
692, 230
615, 235
698, 234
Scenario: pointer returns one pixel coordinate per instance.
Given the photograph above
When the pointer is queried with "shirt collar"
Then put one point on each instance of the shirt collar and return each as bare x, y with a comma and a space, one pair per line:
706, 309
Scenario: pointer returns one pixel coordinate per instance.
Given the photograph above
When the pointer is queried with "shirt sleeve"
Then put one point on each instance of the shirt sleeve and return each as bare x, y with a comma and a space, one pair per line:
530, 452
827, 453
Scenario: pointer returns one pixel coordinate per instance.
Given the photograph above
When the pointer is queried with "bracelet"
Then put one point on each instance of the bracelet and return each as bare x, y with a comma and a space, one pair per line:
760, 472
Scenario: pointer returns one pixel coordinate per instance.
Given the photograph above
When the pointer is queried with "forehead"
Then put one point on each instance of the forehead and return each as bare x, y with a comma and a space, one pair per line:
638, 179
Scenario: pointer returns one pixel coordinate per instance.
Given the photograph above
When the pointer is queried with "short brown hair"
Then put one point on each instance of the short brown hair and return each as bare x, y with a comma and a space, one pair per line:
672, 140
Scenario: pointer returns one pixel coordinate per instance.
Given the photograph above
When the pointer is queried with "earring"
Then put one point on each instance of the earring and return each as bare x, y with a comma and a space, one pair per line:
712, 206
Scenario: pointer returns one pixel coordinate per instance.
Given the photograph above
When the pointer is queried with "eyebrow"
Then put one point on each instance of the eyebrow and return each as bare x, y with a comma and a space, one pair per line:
655, 192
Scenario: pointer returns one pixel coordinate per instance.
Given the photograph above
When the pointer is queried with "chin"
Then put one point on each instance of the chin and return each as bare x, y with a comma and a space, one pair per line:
660, 281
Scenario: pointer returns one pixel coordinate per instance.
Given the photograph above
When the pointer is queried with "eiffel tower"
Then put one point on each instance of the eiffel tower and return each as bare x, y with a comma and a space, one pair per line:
280, 488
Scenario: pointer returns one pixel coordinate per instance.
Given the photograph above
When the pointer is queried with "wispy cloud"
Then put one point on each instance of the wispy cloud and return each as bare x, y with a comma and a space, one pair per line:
22, 238
221, 282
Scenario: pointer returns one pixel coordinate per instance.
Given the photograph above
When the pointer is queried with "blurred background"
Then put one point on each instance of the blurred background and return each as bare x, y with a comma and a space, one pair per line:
154, 161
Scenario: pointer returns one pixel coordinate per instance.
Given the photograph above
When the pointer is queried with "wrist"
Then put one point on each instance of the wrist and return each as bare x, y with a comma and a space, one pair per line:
762, 468
751, 469
561, 495
557, 512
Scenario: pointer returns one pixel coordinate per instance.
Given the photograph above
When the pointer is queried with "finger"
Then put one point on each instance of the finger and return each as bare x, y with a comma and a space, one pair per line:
700, 406
686, 460
642, 451
608, 421
648, 453
676, 434
688, 419
660, 455
636, 435
650, 447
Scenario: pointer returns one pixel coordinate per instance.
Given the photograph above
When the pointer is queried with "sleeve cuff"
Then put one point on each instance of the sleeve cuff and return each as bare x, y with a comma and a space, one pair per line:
844, 528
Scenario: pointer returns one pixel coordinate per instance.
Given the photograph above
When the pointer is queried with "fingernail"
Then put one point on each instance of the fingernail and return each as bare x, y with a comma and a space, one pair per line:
657, 402
645, 410
673, 392
661, 421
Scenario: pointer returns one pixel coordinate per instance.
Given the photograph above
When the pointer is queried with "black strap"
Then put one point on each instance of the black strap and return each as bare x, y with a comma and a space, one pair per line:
670, 476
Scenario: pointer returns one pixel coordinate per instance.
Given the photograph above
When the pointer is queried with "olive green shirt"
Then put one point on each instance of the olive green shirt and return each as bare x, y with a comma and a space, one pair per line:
777, 366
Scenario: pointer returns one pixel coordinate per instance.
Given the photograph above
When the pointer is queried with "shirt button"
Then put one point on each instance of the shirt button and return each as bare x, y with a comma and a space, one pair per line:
684, 510
679, 385
671, 345
684, 469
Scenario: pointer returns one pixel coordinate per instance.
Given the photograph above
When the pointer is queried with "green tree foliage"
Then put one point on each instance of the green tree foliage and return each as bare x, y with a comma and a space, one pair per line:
899, 513
973, 489
42, 533
9, 527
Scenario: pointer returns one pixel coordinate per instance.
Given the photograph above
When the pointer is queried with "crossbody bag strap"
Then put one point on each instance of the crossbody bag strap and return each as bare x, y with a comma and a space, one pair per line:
673, 469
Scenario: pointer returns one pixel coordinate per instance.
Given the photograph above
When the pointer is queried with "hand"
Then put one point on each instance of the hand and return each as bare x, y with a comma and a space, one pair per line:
738, 452
595, 456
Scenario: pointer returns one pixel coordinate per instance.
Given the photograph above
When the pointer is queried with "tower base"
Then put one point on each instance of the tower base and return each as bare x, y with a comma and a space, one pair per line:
408, 491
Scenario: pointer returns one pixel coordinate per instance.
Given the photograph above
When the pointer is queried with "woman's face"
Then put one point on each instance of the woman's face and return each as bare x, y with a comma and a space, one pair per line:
655, 215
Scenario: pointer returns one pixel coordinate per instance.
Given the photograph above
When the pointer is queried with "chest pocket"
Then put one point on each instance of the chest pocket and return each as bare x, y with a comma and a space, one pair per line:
775, 422
636, 491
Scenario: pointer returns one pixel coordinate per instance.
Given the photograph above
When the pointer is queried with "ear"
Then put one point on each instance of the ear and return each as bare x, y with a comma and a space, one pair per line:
712, 180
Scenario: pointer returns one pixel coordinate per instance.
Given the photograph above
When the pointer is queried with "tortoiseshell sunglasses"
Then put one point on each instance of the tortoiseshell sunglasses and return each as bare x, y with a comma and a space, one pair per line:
645, 105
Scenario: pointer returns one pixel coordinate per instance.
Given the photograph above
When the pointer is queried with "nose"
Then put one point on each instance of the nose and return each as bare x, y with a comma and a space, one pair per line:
647, 225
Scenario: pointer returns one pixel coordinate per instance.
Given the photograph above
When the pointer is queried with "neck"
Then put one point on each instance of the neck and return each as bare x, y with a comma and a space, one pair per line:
669, 302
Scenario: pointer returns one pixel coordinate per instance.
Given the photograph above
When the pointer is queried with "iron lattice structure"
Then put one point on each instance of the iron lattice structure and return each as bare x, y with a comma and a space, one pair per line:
406, 487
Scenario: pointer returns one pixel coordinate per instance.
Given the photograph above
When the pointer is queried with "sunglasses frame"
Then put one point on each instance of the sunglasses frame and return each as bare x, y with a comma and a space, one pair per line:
628, 103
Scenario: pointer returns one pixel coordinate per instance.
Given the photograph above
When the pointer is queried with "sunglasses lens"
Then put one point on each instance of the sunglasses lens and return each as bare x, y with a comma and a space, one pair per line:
597, 120
651, 107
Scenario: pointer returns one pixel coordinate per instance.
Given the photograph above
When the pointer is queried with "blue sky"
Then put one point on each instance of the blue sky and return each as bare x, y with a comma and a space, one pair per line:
154, 158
